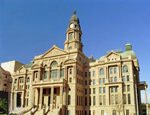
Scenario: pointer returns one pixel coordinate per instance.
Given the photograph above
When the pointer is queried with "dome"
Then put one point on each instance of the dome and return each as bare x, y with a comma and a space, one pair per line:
127, 53
74, 20
102, 58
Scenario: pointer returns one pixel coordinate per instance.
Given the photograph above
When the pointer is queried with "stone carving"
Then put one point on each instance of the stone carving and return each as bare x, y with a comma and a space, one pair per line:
54, 52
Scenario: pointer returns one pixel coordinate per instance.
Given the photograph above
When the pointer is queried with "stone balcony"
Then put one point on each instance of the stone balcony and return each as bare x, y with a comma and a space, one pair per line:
142, 85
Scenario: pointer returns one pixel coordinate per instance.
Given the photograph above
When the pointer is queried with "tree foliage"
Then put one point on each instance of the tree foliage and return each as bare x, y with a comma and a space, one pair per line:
3, 104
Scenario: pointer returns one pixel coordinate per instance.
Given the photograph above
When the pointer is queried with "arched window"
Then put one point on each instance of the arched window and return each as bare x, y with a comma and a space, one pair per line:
70, 79
70, 71
45, 72
111, 71
54, 63
70, 47
101, 71
28, 79
70, 36
125, 69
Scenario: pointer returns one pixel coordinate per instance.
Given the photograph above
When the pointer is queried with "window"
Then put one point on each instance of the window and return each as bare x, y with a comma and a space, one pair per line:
129, 99
68, 112
70, 47
112, 99
85, 74
85, 101
125, 69
103, 89
124, 88
94, 100
103, 80
114, 112
85, 82
100, 90
54, 63
111, 71
28, 79
127, 112
102, 71
116, 99
100, 100
112, 89
89, 82
5, 84
104, 100
115, 70
93, 90
100, 80
111, 79
45, 74
90, 100
70, 36
116, 89
124, 98
85, 91
123, 78
70, 71
93, 73
89, 74
15, 81
128, 87
54, 73
115, 79
89, 91
70, 79
44, 91
128, 78
62, 73
69, 99
93, 81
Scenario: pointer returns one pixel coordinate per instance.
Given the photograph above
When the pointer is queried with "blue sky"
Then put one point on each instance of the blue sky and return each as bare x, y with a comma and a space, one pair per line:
29, 28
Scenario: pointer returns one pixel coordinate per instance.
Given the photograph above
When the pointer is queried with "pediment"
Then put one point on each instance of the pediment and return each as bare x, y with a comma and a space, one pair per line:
54, 51
69, 61
21, 70
113, 56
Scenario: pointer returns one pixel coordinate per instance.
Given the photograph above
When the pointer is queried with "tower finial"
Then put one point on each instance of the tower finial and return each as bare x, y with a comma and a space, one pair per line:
74, 12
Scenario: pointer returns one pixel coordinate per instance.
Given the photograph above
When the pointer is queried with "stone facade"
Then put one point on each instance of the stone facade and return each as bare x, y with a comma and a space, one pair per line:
66, 82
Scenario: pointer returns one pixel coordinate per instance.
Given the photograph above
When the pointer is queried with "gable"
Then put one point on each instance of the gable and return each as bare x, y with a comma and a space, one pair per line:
112, 56
22, 69
54, 51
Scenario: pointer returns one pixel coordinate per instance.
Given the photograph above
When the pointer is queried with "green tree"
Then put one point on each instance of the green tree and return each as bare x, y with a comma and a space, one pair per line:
3, 104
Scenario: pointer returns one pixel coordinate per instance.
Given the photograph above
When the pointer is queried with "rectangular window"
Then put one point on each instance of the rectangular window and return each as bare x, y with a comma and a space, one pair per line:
116, 89
100, 100
69, 99
94, 100
89, 74
112, 90
128, 79
116, 99
90, 100
85, 101
100, 90
114, 112
127, 112
128, 87
89, 82
124, 98
93, 73
44, 91
85, 82
45, 74
93, 81
103, 89
115, 79
62, 73
115, 70
89, 91
124, 88
111, 79
100, 80
104, 100
103, 80
112, 99
123, 78
85, 74
85, 91
129, 99
53, 74
102, 112
93, 90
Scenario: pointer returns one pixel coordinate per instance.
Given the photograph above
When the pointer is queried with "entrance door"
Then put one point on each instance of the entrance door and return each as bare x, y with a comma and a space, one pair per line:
93, 112
54, 102
18, 100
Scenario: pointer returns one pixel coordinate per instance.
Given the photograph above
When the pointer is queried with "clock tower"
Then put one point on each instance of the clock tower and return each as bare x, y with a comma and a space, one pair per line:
73, 35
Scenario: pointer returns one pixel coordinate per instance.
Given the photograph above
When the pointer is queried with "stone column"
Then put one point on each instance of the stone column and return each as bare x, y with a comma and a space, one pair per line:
41, 95
146, 100
61, 96
52, 94
66, 72
22, 99
59, 72
39, 76
32, 96
18, 83
48, 74
75, 71
107, 74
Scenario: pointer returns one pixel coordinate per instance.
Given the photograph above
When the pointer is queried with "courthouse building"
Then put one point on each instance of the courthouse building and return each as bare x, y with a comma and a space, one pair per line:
66, 82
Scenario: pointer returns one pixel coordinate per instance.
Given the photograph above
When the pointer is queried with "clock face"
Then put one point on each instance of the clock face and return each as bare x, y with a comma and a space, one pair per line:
72, 25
